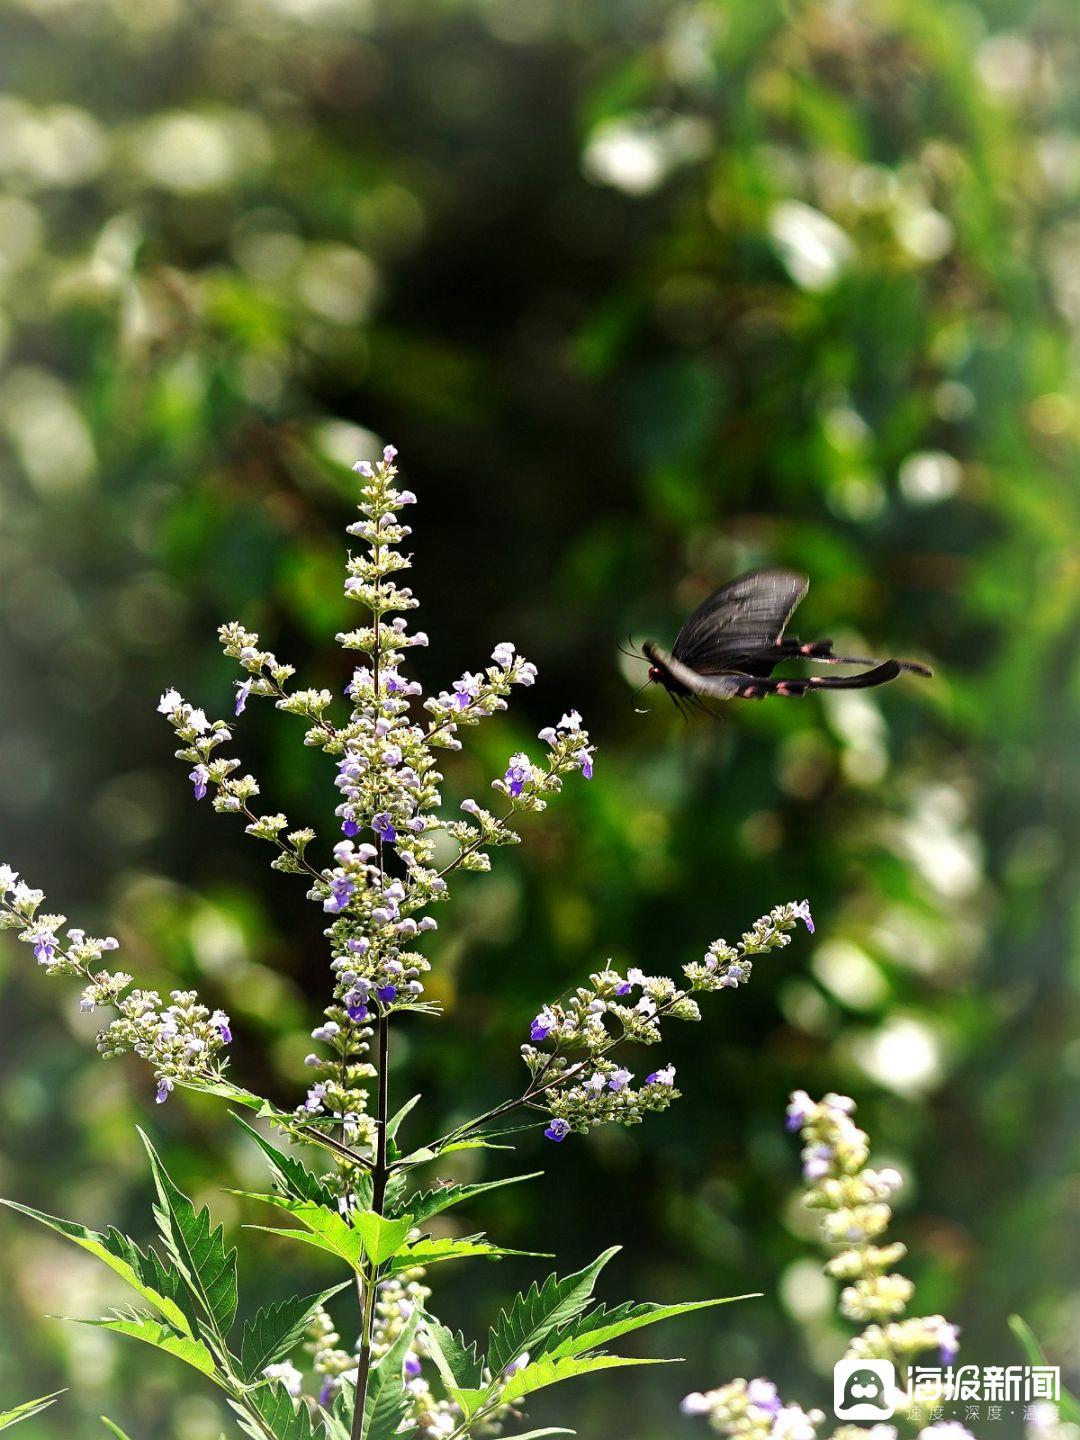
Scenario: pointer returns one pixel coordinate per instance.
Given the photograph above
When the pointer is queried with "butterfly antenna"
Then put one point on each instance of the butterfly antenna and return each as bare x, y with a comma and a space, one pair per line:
628, 649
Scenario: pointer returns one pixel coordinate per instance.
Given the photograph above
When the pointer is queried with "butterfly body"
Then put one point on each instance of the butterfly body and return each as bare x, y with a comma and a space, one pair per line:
731, 644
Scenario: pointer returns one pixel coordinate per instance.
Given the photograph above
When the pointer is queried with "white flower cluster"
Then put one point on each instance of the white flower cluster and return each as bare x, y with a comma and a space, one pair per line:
753, 1411
580, 1031
383, 875
854, 1199
181, 1041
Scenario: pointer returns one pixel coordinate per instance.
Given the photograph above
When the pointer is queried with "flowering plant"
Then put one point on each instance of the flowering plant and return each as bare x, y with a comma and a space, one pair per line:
286, 1377
853, 1200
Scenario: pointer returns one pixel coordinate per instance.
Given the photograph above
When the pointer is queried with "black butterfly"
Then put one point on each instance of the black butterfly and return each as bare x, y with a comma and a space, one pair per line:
731, 644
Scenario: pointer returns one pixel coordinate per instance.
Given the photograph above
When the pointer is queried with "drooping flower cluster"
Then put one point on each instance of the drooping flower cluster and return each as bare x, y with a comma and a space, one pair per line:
854, 1199
580, 1086
181, 1041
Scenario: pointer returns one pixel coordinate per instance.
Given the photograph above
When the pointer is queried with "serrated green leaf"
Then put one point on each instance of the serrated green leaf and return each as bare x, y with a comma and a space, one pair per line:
162, 1337
197, 1248
601, 1326
382, 1237
324, 1227
28, 1408
532, 1317
384, 1406
294, 1178
434, 1252
137, 1268
541, 1373
279, 1412
433, 1202
224, 1089
457, 1362
274, 1330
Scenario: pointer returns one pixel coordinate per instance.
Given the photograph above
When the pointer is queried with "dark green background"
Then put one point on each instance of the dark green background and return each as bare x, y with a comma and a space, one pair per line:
541, 247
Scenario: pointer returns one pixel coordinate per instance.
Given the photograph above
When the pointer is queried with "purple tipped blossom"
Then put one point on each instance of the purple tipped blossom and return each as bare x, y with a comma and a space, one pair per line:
198, 777
543, 1024
413, 1368
802, 912
350, 828
799, 1111
584, 759
518, 774
164, 1089
357, 1011
666, 1076
220, 1022
557, 1131
242, 693
342, 889
817, 1162
762, 1395
619, 1080
623, 988
949, 1343
45, 947
386, 993
383, 826
516, 1365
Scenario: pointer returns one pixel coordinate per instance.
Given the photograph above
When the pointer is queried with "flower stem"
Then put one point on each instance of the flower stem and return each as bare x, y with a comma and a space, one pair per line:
378, 1200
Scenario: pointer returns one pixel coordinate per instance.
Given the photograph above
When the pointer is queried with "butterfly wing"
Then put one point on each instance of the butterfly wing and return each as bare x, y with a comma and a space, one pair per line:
742, 619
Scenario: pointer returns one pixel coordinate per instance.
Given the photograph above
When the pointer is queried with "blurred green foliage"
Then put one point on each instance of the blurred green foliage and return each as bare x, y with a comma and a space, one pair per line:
646, 293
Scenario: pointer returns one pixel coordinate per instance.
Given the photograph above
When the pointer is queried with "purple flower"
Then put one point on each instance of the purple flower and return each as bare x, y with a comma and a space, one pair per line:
342, 889
557, 1130
242, 693
386, 993
220, 1022
350, 828
799, 1110
762, 1395
623, 988
584, 759
412, 1365
666, 1076
357, 1010
45, 947
518, 774
802, 912
619, 1080
198, 777
326, 1394
383, 826
949, 1343
543, 1024
165, 1085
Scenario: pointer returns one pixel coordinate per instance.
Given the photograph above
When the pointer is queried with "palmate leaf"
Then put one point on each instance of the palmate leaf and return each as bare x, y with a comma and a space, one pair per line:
280, 1414
28, 1408
434, 1252
433, 1202
535, 1315
275, 1330
163, 1337
293, 1178
541, 1373
601, 1326
143, 1271
198, 1250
